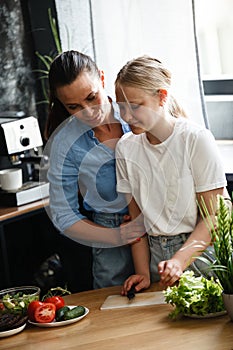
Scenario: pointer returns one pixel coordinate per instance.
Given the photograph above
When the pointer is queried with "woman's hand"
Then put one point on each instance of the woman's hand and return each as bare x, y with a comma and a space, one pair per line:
139, 281
132, 231
170, 272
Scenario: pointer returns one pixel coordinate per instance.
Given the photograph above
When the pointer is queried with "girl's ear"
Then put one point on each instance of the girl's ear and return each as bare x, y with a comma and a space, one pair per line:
102, 77
162, 96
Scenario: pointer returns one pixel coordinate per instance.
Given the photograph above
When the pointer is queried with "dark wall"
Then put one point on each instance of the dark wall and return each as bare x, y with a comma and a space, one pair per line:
24, 30
17, 84
37, 17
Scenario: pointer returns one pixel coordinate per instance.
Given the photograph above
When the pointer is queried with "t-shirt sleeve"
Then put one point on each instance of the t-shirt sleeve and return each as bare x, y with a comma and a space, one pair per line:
206, 163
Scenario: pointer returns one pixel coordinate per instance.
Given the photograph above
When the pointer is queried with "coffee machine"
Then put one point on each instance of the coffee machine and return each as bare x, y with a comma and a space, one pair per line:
21, 147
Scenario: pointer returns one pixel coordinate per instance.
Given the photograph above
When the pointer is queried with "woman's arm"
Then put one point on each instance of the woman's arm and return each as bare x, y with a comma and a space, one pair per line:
171, 270
89, 233
66, 153
141, 257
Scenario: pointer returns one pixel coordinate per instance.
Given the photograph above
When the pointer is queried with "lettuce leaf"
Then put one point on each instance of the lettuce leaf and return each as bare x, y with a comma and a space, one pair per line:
194, 295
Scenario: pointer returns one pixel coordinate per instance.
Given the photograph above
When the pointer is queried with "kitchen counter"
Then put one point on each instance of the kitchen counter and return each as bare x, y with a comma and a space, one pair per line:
9, 213
141, 327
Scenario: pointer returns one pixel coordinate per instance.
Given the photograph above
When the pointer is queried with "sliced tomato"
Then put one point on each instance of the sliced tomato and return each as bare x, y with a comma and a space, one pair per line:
32, 307
45, 313
58, 301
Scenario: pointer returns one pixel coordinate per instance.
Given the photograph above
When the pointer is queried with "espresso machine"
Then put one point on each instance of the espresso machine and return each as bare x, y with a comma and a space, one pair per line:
21, 147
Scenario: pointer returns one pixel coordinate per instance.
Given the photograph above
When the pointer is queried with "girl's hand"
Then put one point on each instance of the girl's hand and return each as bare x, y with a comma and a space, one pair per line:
139, 281
170, 272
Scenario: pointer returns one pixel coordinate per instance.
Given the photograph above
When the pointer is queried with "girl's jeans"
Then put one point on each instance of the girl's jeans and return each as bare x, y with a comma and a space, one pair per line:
164, 247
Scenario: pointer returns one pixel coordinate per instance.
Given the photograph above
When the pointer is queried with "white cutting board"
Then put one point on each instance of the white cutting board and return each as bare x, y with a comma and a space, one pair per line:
140, 299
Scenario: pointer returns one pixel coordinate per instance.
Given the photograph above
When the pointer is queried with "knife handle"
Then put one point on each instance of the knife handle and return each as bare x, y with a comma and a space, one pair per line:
131, 293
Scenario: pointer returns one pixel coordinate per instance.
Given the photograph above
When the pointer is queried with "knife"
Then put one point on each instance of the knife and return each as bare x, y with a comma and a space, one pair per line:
131, 293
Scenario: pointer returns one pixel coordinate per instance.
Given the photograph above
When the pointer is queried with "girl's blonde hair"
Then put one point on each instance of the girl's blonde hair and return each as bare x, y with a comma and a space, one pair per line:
150, 75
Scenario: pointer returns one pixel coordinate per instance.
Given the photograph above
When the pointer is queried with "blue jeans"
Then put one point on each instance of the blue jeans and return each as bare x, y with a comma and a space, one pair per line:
164, 247
111, 266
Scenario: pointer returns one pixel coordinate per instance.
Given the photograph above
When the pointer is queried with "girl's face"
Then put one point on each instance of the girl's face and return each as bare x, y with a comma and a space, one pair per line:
86, 99
138, 108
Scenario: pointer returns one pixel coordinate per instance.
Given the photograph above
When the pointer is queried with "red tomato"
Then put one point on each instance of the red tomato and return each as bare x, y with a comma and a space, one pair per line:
45, 313
32, 307
58, 301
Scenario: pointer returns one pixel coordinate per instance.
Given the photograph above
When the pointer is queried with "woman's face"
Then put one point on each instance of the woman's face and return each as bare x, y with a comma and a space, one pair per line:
85, 98
138, 108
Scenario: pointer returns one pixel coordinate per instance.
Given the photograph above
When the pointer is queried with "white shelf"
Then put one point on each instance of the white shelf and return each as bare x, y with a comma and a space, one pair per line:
217, 77
219, 98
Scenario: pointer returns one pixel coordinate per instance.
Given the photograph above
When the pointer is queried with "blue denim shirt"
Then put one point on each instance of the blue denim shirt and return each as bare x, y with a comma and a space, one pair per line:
79, 162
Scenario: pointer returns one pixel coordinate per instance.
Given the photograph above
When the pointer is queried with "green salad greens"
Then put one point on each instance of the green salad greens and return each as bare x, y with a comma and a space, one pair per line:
17, 304
194, 296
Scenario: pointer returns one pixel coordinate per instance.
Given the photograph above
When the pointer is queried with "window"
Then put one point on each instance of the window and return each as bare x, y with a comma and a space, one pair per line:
214, 32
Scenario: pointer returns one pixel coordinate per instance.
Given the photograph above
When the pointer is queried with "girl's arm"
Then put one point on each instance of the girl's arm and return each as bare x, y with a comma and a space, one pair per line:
171, 270
141, 257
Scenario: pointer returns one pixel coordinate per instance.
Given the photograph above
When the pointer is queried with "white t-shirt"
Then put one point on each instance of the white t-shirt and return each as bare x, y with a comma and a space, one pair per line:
164, 178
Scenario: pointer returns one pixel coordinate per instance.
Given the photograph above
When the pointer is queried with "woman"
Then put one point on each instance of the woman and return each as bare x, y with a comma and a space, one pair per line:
82, 160
167, 166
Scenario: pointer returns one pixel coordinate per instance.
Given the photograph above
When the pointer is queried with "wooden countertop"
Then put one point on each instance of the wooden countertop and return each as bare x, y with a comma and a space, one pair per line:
134, 328
12, 212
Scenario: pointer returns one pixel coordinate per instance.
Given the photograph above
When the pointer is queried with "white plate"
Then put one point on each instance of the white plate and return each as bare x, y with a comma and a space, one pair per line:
12, 331
61, 323
212, 314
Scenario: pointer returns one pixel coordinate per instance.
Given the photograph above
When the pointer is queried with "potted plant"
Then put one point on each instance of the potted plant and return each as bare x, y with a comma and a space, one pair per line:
46, 60
221, 231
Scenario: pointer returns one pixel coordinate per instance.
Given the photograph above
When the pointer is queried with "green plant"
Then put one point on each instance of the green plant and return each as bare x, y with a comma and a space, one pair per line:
221, 231
46, 60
